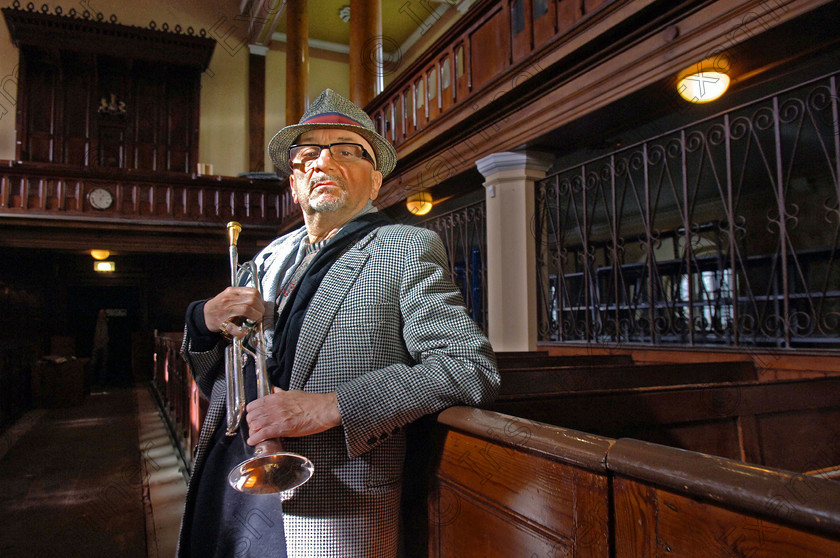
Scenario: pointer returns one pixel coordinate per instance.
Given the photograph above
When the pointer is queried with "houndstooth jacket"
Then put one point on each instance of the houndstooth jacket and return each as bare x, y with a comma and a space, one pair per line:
388, 331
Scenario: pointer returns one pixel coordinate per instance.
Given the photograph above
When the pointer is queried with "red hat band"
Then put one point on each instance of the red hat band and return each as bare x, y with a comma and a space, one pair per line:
331, 118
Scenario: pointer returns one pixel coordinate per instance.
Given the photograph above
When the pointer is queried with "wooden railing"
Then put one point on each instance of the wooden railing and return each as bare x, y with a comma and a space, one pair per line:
491, 39
178, 395
51, 191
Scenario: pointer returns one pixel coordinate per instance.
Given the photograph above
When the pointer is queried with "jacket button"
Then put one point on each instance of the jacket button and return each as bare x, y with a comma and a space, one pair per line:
372, 441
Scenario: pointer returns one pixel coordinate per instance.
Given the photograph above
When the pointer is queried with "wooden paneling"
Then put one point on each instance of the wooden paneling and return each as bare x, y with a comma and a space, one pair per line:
447, 81
149, 88
800, 440
78, 102
504, 486
489, 48
95, 93
497, 535
635, 519
568, 12
545, 24
501, 489
182, 404
521, 28
655, 522
511, 480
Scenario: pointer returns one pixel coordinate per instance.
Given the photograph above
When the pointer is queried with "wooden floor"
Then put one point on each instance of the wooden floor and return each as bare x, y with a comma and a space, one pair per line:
98, 479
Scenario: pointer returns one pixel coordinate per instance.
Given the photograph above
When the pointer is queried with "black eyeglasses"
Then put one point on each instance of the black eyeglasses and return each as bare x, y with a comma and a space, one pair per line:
306, 154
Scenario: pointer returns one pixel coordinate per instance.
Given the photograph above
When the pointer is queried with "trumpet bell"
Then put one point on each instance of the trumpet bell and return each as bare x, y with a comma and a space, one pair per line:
269, 474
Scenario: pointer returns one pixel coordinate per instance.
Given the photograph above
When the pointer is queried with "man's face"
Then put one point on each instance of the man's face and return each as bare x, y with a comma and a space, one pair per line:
329, 186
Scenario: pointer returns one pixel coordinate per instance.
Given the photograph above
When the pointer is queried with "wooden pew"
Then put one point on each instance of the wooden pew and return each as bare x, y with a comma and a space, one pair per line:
505, 486
509, 361
544, 381
791, 424
671, 502
517, 354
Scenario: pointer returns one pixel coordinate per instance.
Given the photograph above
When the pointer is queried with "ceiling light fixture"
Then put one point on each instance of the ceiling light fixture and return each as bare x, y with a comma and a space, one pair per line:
100, 254
703, 82
419, 203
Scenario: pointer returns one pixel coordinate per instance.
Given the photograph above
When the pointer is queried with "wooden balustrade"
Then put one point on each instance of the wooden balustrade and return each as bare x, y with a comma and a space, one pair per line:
487, 42
63, 191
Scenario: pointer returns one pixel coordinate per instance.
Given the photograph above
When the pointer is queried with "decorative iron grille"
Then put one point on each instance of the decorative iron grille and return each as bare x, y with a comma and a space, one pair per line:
464, 235
723, 232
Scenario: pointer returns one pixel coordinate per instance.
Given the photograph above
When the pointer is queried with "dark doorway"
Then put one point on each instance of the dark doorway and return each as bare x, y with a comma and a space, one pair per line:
122, 308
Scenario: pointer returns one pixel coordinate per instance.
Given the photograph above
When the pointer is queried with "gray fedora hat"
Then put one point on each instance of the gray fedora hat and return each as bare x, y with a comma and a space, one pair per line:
331, 110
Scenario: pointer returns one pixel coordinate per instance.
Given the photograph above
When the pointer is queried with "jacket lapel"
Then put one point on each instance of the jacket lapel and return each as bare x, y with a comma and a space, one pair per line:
323, 308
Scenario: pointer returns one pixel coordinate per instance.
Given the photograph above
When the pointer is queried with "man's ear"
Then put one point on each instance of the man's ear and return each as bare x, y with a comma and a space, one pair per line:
376, 184
292, 187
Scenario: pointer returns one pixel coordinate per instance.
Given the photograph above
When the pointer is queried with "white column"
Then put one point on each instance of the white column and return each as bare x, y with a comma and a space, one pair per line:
511, 255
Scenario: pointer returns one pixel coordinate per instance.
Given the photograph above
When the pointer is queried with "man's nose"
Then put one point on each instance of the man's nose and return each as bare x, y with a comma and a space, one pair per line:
325, 159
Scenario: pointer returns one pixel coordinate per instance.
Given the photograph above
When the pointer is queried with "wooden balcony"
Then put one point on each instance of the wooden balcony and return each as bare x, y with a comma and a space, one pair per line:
506, 77
42, 198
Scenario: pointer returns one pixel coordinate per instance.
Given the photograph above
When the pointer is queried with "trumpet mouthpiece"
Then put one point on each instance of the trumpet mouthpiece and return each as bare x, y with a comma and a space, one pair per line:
233, 230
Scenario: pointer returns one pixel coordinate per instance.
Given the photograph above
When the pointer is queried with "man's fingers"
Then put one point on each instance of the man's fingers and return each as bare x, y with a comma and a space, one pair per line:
227, 310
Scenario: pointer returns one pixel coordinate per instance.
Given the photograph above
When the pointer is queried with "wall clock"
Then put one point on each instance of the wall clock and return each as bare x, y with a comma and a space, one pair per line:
100, 198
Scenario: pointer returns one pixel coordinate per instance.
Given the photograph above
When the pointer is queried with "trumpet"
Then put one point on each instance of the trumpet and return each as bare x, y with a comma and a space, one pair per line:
271, 469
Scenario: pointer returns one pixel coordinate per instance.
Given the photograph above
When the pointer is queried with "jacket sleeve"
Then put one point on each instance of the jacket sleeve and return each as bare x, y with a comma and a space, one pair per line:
452, 362
203, 352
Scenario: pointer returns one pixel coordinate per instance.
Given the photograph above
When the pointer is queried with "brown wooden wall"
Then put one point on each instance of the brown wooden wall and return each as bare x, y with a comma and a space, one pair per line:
94, 93
98, 110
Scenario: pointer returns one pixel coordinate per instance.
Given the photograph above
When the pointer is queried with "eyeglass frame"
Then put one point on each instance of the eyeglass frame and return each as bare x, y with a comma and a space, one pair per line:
365, 153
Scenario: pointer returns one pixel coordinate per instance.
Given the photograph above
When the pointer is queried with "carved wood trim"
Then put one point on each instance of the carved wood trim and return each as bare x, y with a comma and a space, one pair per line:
97, 36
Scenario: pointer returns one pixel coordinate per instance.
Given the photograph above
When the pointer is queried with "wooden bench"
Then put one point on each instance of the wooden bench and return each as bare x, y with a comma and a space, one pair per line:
542, 381
504, 486
791, 424
671, 502
516, 354
527, 360
498, 485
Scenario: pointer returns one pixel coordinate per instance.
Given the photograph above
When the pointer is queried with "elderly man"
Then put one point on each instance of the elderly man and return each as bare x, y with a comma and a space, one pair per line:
367, 334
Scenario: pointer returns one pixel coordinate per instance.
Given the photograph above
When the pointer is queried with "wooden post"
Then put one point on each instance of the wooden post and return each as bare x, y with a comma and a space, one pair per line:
365, 46
256, 109
297, 59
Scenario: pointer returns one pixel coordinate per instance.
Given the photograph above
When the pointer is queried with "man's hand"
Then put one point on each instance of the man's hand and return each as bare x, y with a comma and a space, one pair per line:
295, 413
233, 305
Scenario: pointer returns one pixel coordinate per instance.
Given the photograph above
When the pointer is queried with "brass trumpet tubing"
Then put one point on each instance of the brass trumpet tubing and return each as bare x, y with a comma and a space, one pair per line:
235, 388
271, 470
